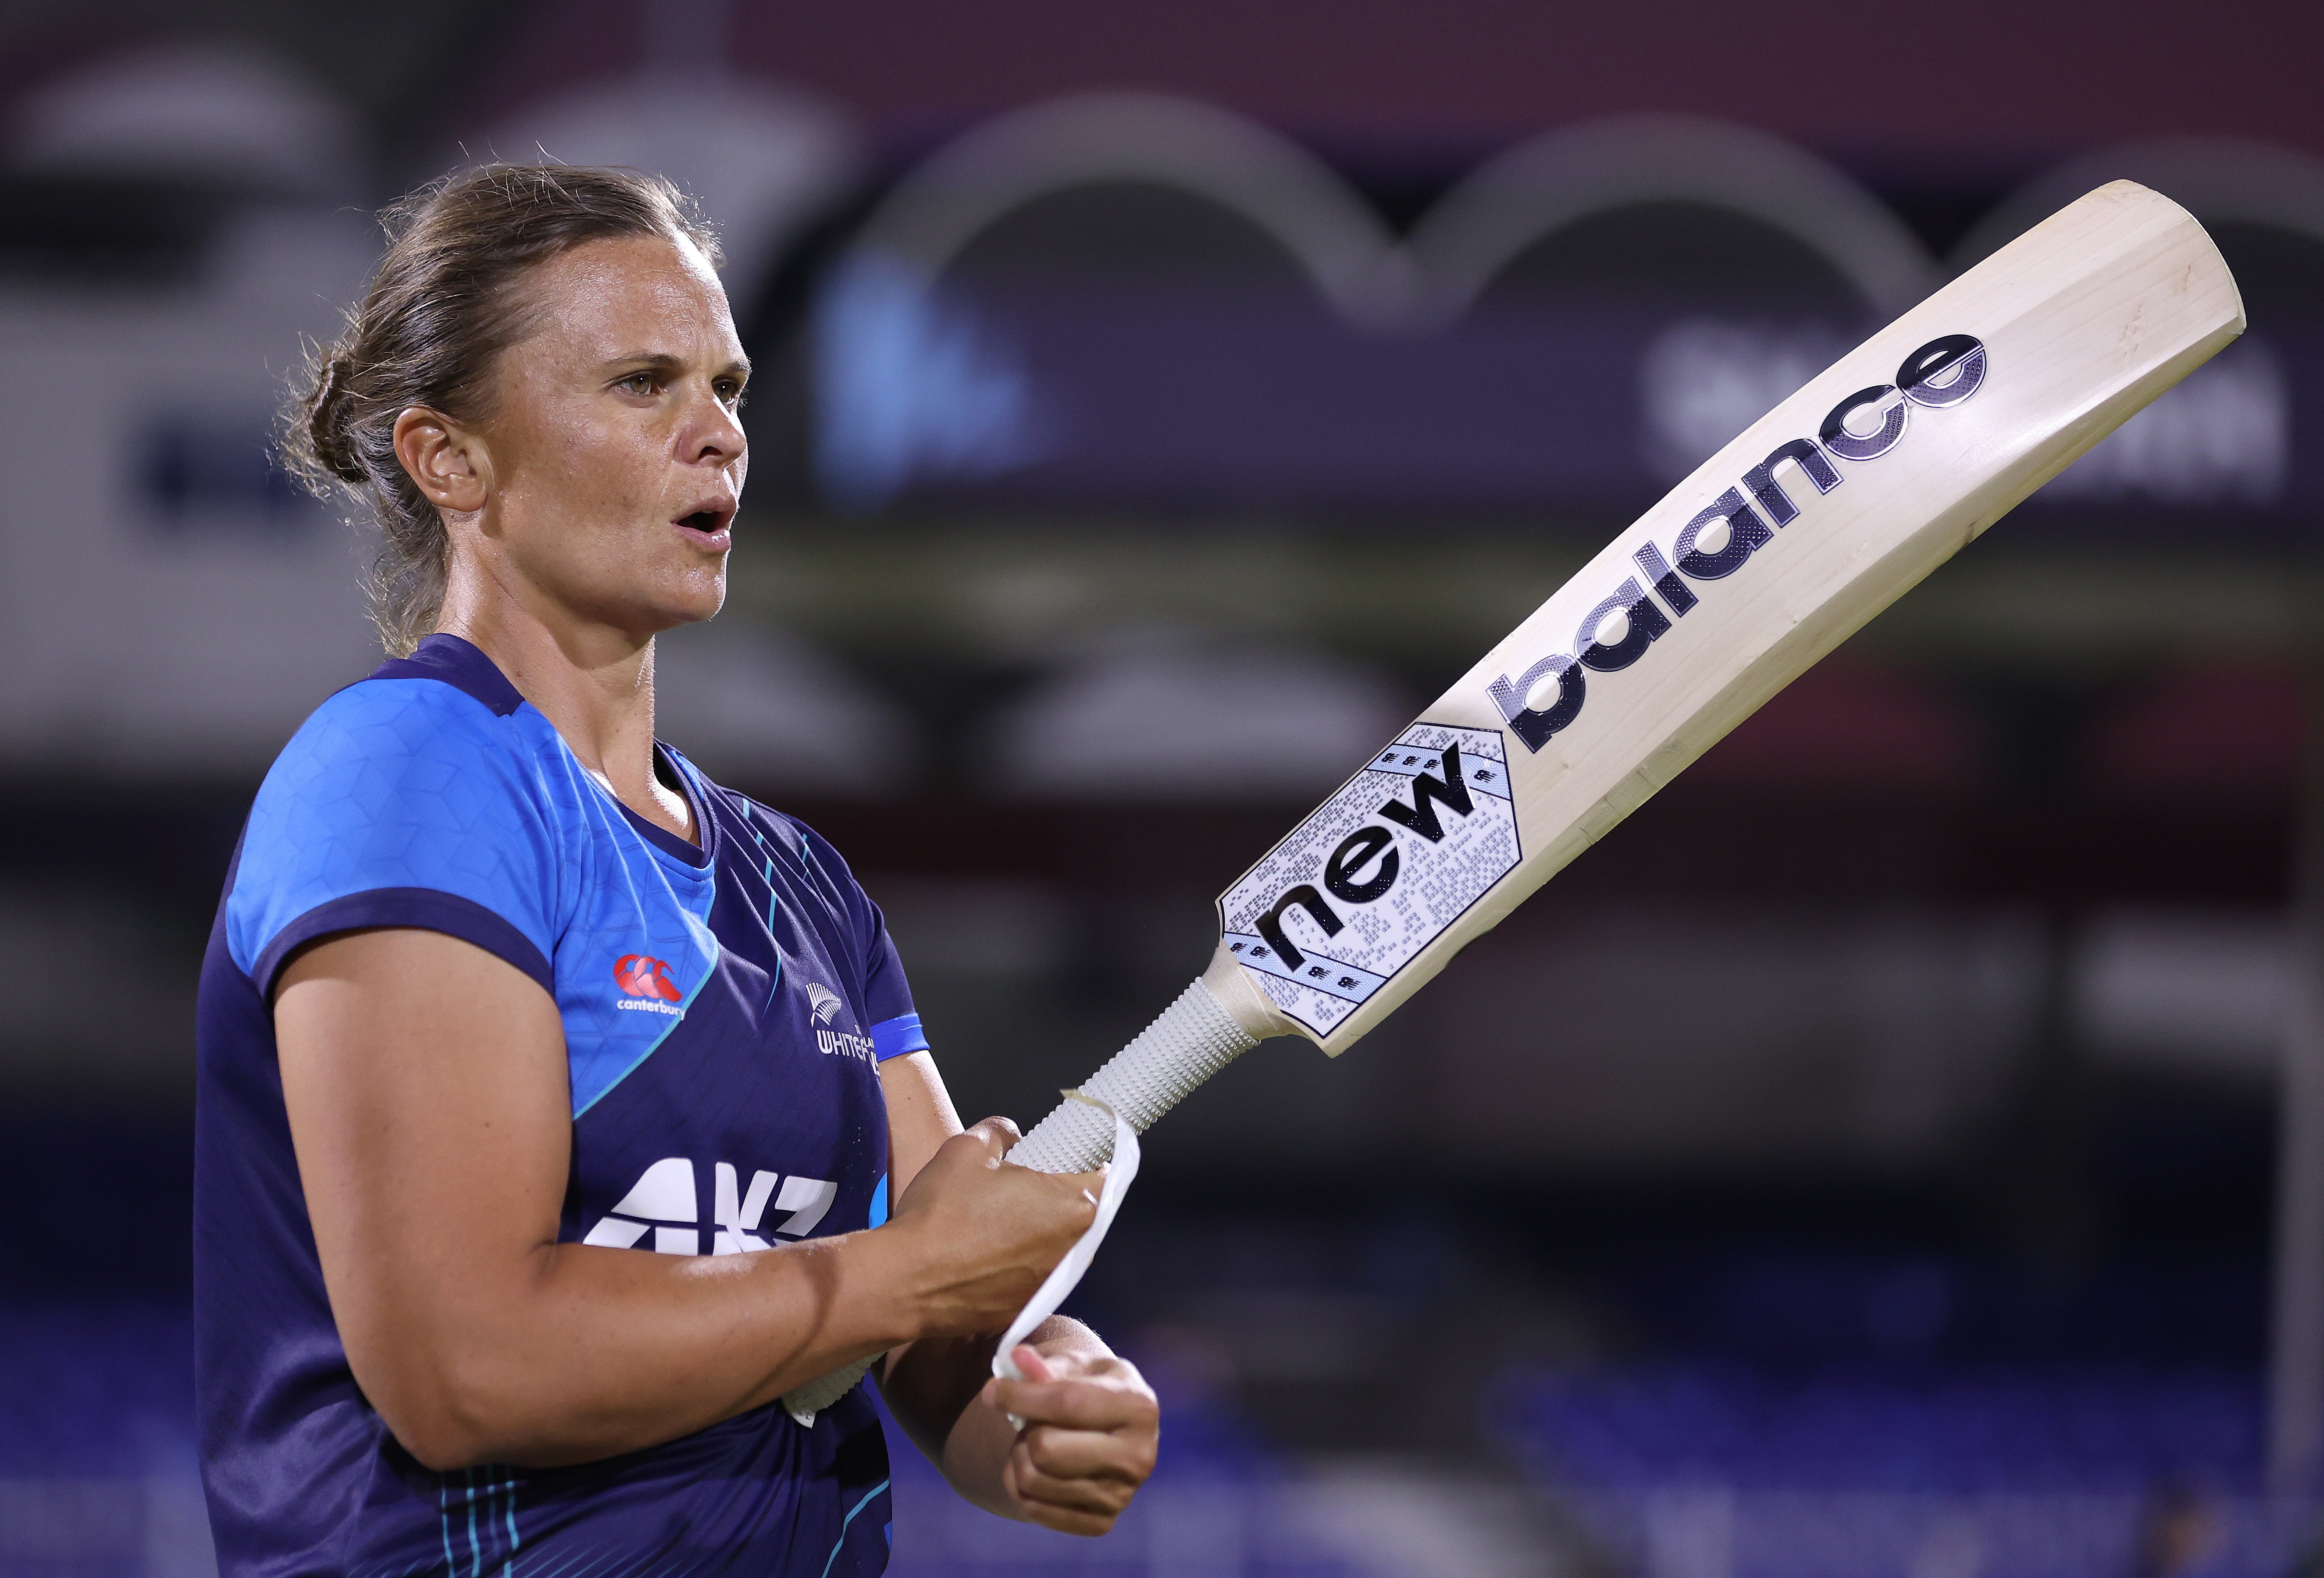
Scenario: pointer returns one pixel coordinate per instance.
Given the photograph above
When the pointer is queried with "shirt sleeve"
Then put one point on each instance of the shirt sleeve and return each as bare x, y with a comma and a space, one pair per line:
402, 802
895, 1024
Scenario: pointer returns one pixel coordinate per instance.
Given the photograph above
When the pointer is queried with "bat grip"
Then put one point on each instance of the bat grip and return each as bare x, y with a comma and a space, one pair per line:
1193, 1040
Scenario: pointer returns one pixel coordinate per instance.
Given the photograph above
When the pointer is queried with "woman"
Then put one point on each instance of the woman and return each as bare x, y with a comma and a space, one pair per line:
552, 1097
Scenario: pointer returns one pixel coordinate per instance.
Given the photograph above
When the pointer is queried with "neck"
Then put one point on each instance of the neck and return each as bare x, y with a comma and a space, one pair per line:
594, 683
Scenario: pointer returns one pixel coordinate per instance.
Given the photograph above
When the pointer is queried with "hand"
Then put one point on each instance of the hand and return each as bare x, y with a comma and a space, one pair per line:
985, 1233
1092, 1428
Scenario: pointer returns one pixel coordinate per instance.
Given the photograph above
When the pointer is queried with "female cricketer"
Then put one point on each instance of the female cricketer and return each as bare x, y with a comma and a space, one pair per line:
552, 1098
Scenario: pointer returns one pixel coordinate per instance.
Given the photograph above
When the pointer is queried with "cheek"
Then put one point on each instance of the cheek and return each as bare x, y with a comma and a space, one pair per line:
606, 471
590, 501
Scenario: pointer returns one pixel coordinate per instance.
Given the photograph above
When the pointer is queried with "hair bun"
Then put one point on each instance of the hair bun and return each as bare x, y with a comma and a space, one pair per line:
327, 422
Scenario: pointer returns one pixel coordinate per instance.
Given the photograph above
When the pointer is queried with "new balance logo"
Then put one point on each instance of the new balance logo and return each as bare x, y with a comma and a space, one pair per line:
663, 1202
646, 985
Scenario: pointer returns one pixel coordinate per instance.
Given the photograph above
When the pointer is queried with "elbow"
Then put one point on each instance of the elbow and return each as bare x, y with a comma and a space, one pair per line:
448, 1411
438, 1444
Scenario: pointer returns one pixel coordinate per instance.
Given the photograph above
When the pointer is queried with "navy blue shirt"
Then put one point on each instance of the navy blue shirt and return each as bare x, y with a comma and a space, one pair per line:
725, 1009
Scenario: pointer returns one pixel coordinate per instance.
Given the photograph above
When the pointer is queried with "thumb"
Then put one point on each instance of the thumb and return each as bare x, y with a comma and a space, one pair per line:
1031, 1366
997, 1135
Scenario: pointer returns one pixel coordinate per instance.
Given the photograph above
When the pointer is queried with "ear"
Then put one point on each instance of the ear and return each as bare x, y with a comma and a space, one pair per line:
446, 460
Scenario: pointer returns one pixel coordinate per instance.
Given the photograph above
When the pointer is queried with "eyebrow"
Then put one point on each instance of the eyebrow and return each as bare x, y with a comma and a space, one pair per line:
665, 361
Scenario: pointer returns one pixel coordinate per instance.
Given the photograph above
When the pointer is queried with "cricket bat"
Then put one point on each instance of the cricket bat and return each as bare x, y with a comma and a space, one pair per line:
1776, 550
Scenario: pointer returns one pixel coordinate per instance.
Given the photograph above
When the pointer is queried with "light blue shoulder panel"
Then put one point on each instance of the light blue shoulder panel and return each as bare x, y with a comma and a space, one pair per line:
397, 785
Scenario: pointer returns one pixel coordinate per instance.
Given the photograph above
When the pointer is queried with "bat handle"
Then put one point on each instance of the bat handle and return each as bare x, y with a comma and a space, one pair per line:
1194, 1039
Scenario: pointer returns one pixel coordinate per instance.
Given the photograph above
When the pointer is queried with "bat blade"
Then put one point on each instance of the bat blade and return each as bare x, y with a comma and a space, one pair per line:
1772, 553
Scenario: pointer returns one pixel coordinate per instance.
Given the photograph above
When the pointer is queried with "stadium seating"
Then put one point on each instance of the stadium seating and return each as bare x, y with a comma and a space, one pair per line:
1703, 1469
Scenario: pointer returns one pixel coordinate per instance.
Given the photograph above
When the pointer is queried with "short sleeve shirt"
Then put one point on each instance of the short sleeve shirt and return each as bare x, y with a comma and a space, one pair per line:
725, 1009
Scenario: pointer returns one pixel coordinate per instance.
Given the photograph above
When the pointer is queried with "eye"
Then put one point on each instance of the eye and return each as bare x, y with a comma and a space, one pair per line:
730, 393
642, 384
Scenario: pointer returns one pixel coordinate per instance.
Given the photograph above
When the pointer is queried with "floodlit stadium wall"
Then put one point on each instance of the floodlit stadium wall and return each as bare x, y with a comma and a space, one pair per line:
1127, 307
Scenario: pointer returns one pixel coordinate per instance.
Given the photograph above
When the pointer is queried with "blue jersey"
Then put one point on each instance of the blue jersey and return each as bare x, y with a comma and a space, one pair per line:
725, 1009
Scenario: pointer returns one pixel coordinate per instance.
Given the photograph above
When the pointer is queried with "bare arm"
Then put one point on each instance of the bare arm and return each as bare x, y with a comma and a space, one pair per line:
1091, 1423
423, 1075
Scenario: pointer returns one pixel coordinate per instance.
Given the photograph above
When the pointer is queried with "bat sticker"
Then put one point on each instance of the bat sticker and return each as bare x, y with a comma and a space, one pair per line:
1377, 873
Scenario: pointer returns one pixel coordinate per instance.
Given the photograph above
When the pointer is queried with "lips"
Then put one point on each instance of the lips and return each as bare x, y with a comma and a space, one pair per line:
708, 517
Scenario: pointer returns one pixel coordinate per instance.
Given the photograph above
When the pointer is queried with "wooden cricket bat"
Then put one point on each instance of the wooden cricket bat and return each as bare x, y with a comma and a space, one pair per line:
1774, 550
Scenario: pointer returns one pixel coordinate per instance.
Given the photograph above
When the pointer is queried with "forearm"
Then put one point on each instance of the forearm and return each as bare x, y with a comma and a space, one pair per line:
587, 1353
478, 1336
933, 1389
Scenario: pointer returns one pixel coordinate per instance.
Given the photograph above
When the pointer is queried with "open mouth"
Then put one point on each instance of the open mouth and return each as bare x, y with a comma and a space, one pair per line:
707, 521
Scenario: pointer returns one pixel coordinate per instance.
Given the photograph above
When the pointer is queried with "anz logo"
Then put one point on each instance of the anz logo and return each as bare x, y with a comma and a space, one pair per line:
664, 1201
826, 1006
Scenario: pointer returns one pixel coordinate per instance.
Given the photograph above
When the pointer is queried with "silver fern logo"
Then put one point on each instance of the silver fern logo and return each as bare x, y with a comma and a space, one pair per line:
827, 1005
824, 1002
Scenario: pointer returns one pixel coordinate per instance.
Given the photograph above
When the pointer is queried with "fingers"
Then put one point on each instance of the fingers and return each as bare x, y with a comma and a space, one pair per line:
1080, 1402
996, 1134
1030, 1364
1086, 1524
1088, 1454
986, 1232
1070, 1506
1089, 1186
1092, 1429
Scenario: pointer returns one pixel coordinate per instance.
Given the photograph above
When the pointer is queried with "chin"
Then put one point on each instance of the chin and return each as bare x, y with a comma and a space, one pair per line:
665, 603
691, 603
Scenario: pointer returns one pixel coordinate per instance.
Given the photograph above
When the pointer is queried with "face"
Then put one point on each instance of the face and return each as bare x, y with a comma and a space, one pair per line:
610, 461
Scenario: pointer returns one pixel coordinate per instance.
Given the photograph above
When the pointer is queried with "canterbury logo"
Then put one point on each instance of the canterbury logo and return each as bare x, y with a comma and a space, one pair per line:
824, 1002
664, 1202
646, 985
639, 976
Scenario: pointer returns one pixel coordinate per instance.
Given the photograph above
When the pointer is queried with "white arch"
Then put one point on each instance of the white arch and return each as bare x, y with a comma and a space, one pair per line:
217, 112
1554, 179
1284, 191
2218, 179
764, 161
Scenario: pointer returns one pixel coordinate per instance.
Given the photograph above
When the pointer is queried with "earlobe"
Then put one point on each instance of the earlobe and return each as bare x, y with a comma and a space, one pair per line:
446, 460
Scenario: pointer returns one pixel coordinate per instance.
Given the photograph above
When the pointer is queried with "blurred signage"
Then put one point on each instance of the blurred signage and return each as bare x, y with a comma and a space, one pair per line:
1125, 304
1092, 398
946, 394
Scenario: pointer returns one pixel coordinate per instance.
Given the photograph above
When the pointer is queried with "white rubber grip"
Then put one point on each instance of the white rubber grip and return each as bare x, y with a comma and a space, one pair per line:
805, 1402
1193, 1040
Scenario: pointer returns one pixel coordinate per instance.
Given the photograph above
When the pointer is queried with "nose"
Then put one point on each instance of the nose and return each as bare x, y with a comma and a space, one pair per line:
714, 435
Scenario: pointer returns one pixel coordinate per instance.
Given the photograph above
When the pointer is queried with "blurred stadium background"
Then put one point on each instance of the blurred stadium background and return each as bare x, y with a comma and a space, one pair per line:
1866, 1162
